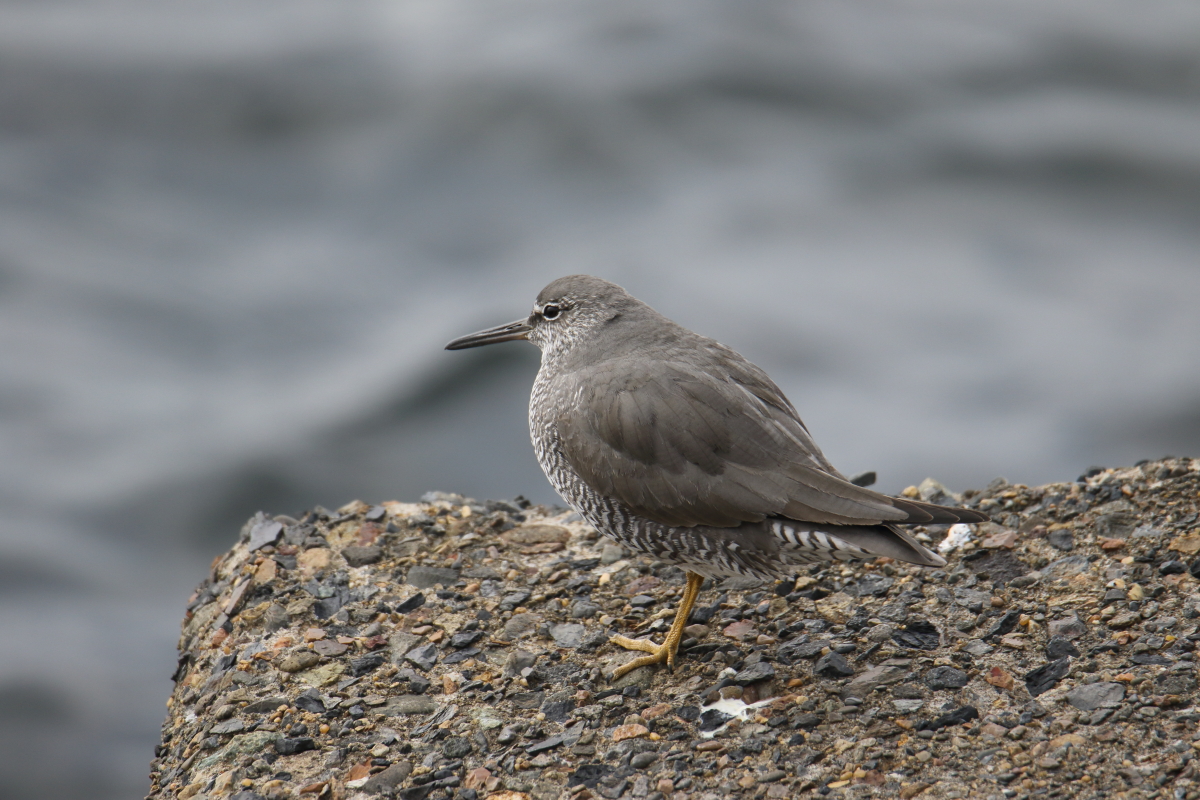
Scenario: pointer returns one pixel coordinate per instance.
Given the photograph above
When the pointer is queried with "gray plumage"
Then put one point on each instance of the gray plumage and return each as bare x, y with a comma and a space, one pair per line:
678, 447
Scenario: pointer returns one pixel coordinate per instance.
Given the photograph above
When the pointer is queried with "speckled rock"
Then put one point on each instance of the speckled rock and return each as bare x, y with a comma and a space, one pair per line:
471, 659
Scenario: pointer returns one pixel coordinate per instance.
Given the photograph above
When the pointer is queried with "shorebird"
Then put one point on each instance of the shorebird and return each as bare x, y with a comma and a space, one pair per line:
677, 447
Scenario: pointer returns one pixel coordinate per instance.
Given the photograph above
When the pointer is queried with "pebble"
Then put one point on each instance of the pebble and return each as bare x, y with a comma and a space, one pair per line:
1096, 695
945, 678
361, 556
428, 577
833, 665
568, 634
758, 671
520, 625
1061, 539
1069, 628
422, 657
299, 660
409, 704
1046, 677
1059, 646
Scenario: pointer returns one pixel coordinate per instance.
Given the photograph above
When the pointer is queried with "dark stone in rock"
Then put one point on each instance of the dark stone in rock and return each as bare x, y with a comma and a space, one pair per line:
641, 601
1096, 695
865, 683
919, 634
228, 726
423, 657
416, 792
266, 705
908, 691
589, 775
276, 618
513, 599
459, 656
1116, 525
465, 639
1068, 566
712, 719
871, 585
264, 532
456, 747
790, 652
893, 612
363, 665
593, 642
428, 577
1047, 676
806, 721
568, 634
1070, 628
1114, 596
688, 713
517, 661
1004, 625
1061, 539
290, 747
247, 795
409, 704
330, 647
758, 671
1176, 683
833, 665
527, 699
324, 609
583, 609
1000, 565
310, 701
946, 678
361, 556
702, 614
544, 745
1060, 647
1145, 659
956, 717
1172, 568
521, 625
411, 604
389, 779
558, 710
643, 760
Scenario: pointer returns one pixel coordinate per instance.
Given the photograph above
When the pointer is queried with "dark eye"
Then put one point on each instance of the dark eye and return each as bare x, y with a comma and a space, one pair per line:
551, 311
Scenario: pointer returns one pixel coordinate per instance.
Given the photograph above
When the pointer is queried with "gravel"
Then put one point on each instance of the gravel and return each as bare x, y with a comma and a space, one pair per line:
1021, 672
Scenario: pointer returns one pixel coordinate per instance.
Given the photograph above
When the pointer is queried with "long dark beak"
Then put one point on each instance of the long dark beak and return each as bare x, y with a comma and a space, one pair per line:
501, 333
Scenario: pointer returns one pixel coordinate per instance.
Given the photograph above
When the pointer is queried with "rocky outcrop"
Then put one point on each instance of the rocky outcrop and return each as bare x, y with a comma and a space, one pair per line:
451, 648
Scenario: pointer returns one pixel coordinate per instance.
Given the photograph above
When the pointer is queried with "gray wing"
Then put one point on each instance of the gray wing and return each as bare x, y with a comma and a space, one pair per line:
684, 447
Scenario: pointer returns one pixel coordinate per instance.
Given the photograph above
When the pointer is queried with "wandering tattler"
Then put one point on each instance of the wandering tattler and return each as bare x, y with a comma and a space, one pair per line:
677, 447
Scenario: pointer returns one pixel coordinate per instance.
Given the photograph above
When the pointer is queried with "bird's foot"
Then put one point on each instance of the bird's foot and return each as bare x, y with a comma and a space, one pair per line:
659, 654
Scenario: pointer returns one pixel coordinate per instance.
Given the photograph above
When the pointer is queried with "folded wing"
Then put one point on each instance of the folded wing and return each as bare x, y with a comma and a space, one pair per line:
684, 447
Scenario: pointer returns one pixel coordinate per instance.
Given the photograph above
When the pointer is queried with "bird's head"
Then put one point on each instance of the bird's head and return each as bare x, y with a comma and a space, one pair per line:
568, 311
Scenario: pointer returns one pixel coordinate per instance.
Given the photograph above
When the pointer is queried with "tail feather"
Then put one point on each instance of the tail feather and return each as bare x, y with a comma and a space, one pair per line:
927, 513
852, 542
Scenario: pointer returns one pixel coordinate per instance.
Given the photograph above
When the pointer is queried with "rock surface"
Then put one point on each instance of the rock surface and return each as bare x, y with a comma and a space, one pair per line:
455, 649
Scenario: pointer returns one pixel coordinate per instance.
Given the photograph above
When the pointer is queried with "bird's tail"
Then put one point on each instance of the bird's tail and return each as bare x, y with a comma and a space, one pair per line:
807, 543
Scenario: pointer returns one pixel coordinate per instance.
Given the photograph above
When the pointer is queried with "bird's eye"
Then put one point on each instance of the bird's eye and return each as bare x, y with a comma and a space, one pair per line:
551, 311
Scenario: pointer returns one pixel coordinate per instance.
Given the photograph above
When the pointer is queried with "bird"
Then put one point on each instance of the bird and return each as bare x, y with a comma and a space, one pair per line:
680, 449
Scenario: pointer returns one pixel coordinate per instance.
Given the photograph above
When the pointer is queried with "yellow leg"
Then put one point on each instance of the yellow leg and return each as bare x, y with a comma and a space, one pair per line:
665, 651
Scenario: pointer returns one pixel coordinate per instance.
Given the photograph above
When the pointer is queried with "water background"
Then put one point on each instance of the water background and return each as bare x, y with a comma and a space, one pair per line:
235, 236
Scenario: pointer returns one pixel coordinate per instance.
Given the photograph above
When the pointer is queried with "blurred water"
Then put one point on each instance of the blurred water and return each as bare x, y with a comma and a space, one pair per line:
234, 237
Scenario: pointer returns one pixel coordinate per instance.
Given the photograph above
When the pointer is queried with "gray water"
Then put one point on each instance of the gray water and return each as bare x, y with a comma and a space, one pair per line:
235, 236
